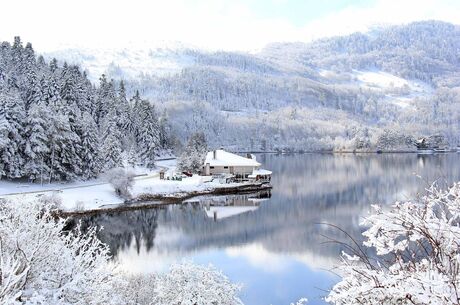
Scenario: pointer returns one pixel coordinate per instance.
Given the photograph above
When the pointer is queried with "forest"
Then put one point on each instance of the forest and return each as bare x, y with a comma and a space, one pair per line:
376, 90
57, 125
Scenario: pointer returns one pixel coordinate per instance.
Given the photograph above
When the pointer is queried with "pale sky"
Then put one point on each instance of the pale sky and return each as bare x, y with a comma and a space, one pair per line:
213, 24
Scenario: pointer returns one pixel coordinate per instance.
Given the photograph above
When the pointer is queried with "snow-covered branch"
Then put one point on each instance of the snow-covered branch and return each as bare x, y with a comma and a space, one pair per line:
417, 246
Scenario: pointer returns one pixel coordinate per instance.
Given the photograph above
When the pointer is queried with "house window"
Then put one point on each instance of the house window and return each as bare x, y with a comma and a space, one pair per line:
211, 167
225, 167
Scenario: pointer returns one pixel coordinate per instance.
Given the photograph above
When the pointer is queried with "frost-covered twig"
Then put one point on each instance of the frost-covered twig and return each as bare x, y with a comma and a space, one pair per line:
419, 241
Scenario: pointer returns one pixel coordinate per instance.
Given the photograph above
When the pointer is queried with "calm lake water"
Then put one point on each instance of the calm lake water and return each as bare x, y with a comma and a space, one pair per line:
275, 246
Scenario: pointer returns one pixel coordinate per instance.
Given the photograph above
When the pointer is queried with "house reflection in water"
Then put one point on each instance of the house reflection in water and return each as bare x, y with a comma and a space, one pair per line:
220, 207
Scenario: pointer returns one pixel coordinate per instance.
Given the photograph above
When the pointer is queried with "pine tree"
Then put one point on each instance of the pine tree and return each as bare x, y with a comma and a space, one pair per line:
14, 112
192, 159
36, 150
148, 133
111, 142
111, 152
165, 131
62, 148
91, 159
4, 139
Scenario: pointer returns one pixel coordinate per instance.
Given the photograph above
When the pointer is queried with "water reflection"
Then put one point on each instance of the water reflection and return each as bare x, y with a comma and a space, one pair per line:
272, 243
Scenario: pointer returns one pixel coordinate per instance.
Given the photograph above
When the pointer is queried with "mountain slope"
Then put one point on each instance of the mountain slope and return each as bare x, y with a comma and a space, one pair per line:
347, 92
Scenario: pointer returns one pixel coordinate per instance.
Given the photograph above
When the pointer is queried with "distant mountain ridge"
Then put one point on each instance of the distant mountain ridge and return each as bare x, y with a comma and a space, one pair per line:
363, 91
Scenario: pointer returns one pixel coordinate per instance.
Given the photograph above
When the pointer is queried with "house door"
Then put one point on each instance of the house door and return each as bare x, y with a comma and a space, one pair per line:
232, 171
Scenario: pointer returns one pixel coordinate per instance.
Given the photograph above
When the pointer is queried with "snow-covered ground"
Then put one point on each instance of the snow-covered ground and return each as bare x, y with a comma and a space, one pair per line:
380, 79
96, 194
88, 195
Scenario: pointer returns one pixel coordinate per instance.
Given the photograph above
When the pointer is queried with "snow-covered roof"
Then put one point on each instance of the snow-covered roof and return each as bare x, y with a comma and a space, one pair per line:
259, 172
225, 158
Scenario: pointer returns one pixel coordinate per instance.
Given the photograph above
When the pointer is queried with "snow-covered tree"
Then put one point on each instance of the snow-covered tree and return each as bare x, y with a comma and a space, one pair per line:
147, 132
4, 140
188, 283
192, 158
14, 114
42, 264
417, 244
63, 156
91, 152
37, 142
121, 180
111, 151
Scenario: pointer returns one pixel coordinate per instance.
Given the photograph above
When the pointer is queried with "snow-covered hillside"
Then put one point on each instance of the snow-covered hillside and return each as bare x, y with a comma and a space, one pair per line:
403, 78
126, 63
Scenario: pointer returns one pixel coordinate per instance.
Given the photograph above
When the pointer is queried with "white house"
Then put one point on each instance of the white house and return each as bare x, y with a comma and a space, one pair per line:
220, 162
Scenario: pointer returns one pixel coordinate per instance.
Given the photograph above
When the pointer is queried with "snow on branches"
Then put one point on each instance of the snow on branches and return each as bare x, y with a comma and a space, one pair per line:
40, 263
189, 284
417, 254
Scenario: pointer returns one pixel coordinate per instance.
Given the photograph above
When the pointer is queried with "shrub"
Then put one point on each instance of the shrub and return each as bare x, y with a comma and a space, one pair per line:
121, 180
417, 254
187, 283
43, 264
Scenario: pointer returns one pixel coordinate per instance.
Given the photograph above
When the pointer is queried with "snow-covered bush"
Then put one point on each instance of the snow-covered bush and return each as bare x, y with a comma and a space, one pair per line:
52, 201
122, 181
417, 254
192, 159
136, 289
40, 263
190, 284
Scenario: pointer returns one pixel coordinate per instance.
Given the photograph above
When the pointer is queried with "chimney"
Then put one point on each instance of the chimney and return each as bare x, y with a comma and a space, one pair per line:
249, 156
214, 154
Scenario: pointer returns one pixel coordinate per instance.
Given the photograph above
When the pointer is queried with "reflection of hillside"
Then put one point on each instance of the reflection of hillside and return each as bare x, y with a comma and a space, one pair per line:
308, 190
295, 175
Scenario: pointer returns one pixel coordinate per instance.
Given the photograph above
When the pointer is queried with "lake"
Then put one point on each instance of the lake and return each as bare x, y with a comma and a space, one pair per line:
274, 244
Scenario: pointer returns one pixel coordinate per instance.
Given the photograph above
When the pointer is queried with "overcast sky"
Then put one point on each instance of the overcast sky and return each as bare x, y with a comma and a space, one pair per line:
214, 24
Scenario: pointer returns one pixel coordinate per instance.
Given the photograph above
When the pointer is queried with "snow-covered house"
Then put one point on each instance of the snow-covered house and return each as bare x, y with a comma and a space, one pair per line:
220, 162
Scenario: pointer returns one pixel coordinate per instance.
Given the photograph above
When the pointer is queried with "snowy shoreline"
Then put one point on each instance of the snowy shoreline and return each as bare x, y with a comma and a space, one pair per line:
149, 201
80, 197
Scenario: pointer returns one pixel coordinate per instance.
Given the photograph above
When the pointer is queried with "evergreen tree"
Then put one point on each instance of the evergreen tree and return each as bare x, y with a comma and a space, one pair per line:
4, 139
194, 154
91, 159
14, 112
111, 152
165, 131
124, 113
111, 142
62, 149
37, 142
148, 133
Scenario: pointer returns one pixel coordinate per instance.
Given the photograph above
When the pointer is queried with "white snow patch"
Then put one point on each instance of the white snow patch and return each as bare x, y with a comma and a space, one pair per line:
381, 79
